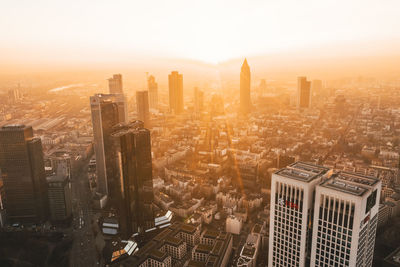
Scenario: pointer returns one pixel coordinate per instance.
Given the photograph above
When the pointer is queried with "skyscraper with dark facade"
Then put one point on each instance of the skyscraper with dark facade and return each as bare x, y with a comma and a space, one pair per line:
23, 174
175, 83
132, 152
245, 101
105, 114
153, 92
142, 105
303, 93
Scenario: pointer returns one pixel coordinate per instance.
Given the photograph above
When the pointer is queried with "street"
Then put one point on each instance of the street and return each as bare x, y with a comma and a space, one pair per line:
83, 252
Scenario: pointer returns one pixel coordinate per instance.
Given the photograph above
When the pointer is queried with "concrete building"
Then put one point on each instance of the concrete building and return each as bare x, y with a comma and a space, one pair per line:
345, 220
234, 224
292, 191
249, 252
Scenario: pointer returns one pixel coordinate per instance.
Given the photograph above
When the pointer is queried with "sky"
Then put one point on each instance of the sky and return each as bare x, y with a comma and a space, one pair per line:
211, 31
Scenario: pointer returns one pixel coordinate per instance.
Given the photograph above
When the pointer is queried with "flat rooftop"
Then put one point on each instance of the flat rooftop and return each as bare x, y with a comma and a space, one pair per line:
350, 183
356, 178
302, 171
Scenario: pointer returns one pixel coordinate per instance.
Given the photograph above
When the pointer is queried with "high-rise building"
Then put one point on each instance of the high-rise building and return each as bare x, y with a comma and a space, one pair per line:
175, 83
106, 113
198, 100
345, 220
23, 174
115, 84
142, 105
153, 92
132, 152
303, 93
292, 192
245, 101
316, 87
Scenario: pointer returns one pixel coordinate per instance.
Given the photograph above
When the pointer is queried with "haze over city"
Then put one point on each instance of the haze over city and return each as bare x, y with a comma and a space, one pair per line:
200, 133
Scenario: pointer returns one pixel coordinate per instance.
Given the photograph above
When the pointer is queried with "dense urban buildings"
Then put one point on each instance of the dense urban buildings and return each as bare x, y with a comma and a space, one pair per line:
245, 82
175, 85
23, 175
108, 160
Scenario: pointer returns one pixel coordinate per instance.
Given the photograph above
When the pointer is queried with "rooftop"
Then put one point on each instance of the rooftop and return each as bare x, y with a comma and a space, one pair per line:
345, 186
302, 171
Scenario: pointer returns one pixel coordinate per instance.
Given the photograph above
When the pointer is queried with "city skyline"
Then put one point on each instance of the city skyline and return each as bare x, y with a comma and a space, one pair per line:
189, 133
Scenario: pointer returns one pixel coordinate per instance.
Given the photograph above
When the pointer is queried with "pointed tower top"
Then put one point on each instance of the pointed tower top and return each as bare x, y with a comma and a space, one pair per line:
245, 62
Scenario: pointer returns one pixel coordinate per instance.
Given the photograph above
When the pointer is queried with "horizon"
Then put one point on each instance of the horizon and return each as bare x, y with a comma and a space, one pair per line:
65, 34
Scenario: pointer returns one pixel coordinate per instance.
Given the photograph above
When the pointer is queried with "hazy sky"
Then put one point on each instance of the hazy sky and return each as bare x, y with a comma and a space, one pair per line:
207, 30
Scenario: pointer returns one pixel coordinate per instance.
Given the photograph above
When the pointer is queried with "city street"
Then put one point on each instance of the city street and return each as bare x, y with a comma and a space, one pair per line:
83, 250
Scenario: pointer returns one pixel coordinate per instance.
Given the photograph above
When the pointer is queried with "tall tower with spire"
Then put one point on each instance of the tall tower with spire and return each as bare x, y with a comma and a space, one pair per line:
245, 102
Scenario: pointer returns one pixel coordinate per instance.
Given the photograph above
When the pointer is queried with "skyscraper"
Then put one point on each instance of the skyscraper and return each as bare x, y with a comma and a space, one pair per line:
303, 93
153, 92
115, 84
316, 87
142, 105
106, 113
345, 220
132, 149
245, 101
115, 88
175, 83
292, 191
23, 174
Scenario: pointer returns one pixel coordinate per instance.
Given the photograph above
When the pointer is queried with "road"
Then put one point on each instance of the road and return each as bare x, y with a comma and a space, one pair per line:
83, 252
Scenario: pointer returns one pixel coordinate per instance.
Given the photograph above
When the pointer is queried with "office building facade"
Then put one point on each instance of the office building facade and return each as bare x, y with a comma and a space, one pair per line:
23, 175
175, 84
291, 214
345, 220
115, 84
106, 113
303, 93
142, 105
132, 152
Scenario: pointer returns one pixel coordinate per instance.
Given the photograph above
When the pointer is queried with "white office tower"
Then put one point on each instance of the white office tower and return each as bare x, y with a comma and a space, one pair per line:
345, 220
292, 191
